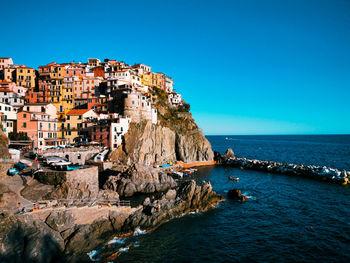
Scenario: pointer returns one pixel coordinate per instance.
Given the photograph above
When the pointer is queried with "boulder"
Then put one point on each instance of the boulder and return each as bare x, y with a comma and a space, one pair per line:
139, 178
236, 194
171, 194
60, 220
229, 154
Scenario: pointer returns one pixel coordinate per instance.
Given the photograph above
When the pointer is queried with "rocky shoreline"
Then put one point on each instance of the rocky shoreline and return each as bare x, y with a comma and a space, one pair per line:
67, 234
321, 173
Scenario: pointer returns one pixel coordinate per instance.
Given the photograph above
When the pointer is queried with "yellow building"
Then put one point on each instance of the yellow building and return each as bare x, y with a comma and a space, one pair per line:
158, 80
68, 94
51, 79
22, 75
146, 79
25, 77
76, 121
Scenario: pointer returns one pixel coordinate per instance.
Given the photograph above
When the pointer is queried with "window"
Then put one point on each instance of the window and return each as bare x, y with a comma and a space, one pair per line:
24, 125
24, 115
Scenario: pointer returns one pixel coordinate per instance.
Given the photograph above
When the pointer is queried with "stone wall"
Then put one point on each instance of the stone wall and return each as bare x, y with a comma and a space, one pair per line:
87, 176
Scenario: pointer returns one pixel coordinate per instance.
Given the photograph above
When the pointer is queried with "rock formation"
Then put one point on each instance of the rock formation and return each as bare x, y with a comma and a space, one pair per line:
139, 178
321, 173
187, 198
175, 137
236, 194
55, 235
148, 143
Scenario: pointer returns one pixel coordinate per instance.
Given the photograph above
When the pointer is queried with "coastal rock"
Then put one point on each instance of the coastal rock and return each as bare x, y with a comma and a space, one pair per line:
149, 143
315, 172
171, 194
25, 239
60, 220
229, 154
8, 198
236, 194
139, 178
189, 197
224, 159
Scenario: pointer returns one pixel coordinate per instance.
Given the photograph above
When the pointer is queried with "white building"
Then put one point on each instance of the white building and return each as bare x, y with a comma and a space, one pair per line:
174, 99
128, 76
169, 84
117, 131
5, 62
8, 117
11, 98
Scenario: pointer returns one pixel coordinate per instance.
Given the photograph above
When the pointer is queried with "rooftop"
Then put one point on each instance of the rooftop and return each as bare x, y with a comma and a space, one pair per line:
77, 112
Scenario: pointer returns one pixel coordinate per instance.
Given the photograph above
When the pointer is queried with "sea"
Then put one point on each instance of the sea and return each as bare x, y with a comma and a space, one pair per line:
286, 219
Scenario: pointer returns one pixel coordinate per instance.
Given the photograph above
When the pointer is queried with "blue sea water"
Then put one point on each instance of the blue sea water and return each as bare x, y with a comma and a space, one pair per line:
287, 219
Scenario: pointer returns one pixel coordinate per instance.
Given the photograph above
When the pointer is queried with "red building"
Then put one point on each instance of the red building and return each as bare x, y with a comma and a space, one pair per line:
99, 72
100, 134
34, 97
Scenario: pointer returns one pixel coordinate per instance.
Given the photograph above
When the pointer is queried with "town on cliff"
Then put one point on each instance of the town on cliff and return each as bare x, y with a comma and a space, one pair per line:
67, 103
78, 140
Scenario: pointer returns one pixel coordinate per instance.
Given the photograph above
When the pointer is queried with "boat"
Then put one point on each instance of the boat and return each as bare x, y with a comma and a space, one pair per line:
73, 167
26, 162
61, 163
234, 178
12, 171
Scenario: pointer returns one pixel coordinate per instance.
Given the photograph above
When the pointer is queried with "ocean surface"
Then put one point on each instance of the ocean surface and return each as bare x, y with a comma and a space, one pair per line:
287, 219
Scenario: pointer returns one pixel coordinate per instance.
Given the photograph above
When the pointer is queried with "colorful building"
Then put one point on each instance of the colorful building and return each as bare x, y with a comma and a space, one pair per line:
76, 120
25, 77
39, 122
51, 79
109, 132
8, 118
5, 62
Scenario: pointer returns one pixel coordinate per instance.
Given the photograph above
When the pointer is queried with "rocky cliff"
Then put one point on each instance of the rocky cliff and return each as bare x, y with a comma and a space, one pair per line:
4, 153
61, 234
138, 178
175, 137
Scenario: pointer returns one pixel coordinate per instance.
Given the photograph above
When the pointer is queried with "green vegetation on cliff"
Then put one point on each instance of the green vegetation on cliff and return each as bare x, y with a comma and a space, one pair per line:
176, 119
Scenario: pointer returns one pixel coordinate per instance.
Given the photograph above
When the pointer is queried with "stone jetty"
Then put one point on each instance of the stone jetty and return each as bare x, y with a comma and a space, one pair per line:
322, 173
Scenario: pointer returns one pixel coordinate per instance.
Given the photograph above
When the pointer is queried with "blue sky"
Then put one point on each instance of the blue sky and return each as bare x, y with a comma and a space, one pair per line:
246, 67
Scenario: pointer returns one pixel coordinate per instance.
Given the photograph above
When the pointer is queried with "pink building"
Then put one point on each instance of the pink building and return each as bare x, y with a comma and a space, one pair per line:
39, 122
12, 87
75, 71
85, 87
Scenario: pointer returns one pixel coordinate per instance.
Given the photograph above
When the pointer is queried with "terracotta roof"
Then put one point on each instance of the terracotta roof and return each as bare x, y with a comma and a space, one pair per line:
77, 112
22, 66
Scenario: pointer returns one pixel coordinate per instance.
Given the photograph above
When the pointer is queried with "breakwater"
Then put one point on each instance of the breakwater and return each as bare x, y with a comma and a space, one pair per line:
322, 173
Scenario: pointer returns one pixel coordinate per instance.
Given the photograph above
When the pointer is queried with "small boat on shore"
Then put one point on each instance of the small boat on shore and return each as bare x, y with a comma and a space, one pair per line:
236, 179
73, 167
